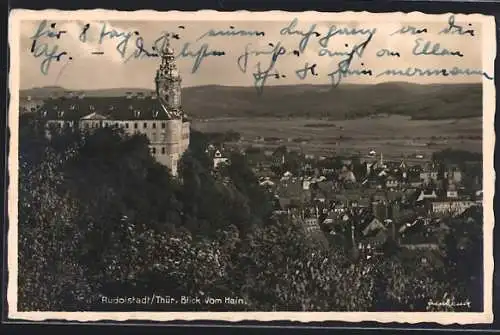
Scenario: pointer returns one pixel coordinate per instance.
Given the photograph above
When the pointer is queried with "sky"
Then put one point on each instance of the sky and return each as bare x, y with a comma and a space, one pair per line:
110, 69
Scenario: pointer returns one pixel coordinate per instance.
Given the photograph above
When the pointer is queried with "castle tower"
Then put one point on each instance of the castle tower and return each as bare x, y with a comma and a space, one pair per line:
174, 134
168, 83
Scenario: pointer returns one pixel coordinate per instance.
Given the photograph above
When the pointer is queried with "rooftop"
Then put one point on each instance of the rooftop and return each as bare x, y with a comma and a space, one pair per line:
114, 108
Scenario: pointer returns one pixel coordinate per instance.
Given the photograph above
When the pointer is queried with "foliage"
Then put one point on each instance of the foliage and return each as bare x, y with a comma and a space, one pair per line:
99, 217
50, 278
456, 156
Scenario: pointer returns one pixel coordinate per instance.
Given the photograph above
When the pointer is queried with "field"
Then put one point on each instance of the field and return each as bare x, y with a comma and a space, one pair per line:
398, 119
395, 136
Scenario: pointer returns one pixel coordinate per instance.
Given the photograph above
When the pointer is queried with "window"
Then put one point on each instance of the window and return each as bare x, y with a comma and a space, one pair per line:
154, 150
135, 125
126, 125
116, 124
145, 124
163, 150
163, 125
105, 124
154, 125
86, 125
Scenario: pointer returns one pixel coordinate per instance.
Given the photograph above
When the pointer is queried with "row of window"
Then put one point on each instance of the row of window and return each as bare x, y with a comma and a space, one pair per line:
153, 151
123, 125
61, 124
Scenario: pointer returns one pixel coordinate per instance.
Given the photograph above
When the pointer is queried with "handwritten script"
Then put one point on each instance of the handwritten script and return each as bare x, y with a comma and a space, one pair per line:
448, 303
292, 51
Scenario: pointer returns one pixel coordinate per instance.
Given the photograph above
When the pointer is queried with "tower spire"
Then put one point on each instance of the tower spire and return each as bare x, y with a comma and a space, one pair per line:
168, 82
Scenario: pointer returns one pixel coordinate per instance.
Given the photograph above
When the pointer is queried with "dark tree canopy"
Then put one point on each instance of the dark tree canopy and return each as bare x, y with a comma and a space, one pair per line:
97, 216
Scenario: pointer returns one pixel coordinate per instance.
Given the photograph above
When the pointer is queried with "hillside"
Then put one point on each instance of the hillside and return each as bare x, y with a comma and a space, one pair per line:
343, 102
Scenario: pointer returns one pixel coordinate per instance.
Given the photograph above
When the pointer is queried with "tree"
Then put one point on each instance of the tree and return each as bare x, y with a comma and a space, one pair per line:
50, 277
278, 270
98, 216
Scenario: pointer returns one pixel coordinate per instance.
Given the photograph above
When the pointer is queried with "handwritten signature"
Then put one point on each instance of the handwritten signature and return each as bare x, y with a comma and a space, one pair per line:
448, 303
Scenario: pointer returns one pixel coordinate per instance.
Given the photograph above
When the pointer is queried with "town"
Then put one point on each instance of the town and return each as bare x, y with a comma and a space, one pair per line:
363, 202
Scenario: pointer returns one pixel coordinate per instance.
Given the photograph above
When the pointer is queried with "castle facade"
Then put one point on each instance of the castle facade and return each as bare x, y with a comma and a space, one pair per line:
159, 116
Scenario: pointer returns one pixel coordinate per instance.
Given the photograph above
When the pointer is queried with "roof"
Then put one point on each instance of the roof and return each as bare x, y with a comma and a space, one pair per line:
394, 195
377, 237
285, 202
114, 108
94, 116
419, 237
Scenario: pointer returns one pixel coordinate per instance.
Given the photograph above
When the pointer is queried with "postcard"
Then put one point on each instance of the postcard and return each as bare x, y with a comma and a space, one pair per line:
258, 166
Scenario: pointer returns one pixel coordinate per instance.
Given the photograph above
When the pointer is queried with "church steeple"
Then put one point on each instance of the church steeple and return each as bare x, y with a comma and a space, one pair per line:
168, 83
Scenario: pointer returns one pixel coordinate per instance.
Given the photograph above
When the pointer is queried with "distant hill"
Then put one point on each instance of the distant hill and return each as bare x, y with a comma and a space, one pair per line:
315, 101
56, 91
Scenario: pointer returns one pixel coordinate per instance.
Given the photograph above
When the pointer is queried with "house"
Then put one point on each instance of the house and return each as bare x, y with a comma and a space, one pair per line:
375, 240
382, 173
309, 156
419, 236
346, 175
320, 198
346, 162
403, 166
330, 219
268, 153
327, 171
311, 224
219, 159
339, 208
478, 195
374, 235
325, 188
414, 180
266, 182
451, 191
452, 207
363, 202
287, 175
420, 246
394, 196
380, 210
379, 196
454, 174
374, 224
391, 182
425, 195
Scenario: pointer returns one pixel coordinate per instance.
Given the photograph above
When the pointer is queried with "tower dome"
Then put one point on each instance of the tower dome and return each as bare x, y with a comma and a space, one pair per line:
168, 83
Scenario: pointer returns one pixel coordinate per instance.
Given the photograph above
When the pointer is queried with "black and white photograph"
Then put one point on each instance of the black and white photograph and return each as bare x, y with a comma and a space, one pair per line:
251, 166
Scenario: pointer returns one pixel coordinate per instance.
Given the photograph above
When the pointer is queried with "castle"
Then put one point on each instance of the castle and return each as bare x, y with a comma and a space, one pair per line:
159, 116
